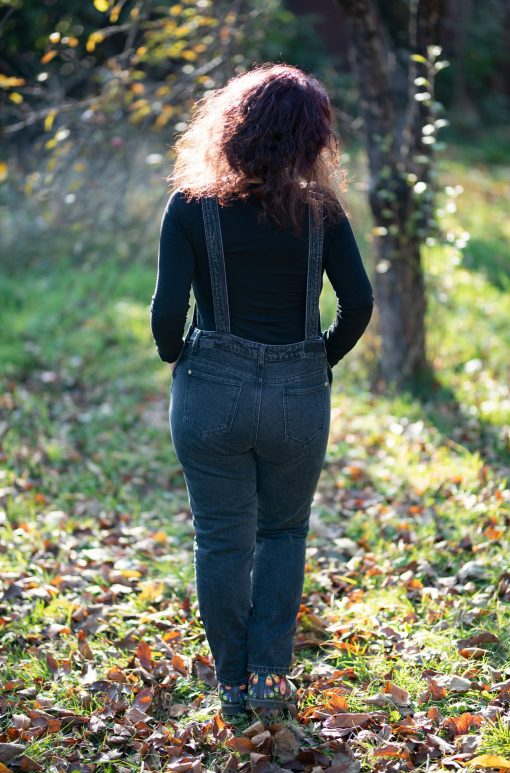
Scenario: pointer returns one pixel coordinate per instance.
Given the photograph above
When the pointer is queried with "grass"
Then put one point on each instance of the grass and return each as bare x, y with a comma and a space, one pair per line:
496, 738
99, 599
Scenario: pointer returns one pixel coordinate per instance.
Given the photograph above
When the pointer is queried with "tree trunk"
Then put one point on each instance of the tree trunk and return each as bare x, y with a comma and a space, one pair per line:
398, 158
402, 306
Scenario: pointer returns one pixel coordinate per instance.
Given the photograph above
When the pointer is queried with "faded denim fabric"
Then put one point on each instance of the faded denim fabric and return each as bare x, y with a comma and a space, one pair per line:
249, 423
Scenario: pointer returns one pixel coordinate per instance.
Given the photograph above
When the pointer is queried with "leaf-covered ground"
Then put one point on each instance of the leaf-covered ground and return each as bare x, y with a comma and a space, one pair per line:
402, 654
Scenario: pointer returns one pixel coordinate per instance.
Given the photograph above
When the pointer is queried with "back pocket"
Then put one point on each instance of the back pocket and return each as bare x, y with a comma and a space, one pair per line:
304, 411
210, 401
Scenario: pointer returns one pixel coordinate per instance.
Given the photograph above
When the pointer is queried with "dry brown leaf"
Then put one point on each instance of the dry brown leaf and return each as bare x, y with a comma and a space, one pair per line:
472, 652
433, 713
170, 635
347, 720
83, 646
344, 760
241, 744
11, 752
484, 637
490, 761
434, 691
260, 763
143, 699
462, 724
286, 744
380, 699
407, 726
399, 696
458, 684
179, 665
178, 709
52, 663
263, 739
392, 750
231, 765
12, 684
444, 746
144, 655
254, 729
115, 674
335, 701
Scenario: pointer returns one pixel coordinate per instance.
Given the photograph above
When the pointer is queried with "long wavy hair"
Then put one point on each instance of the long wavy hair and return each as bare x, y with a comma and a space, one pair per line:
271, 125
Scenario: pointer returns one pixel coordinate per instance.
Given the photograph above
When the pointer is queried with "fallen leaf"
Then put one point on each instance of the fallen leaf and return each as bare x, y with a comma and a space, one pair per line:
485, 637
116, 674
454, 683
240, 744
347, 720
262, 742
472, 652
463, 723
143, 699
490, 761
392, 750
286, 744
179, 665
144, 655
254, 729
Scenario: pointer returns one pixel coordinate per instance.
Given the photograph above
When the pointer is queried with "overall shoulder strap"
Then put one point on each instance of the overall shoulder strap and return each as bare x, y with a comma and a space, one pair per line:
315, 248
216, 258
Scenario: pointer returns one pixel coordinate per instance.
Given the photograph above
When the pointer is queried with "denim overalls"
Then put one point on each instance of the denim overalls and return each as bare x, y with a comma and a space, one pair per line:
249, 424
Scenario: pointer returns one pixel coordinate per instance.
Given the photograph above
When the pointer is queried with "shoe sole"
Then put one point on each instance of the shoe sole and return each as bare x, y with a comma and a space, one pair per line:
261, 706
233, 709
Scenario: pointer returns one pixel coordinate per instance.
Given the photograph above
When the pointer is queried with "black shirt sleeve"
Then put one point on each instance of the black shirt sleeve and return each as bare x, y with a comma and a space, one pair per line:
176, 267
355, 301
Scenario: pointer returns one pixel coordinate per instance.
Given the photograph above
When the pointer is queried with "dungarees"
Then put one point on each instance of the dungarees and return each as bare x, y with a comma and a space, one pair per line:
249, 423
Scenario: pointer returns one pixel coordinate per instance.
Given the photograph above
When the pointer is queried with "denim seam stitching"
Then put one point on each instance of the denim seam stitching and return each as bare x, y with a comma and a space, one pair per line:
217, 379
257, 414
296, 347
197, 359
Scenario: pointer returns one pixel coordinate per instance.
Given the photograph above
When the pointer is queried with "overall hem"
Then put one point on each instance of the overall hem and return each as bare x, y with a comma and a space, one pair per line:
280, 670
232, 681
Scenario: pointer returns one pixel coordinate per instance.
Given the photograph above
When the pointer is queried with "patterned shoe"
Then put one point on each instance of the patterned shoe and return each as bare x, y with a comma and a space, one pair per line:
270, 692
232, 698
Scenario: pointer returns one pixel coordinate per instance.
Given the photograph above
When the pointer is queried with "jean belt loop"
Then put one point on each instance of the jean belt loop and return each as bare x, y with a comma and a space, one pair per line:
194, 339
188, 335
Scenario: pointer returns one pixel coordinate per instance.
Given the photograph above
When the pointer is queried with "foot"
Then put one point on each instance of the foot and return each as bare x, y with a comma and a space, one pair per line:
232, 698
270, 692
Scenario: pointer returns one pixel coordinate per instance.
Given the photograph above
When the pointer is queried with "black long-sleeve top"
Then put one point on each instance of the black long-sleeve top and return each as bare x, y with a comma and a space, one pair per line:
266, 270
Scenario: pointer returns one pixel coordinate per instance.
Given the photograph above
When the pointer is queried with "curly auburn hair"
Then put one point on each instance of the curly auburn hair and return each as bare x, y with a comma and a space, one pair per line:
271, 125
